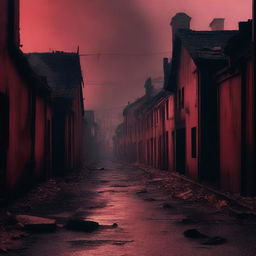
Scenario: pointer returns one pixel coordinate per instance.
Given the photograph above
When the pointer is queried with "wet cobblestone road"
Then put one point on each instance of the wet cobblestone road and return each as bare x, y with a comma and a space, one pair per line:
126, 196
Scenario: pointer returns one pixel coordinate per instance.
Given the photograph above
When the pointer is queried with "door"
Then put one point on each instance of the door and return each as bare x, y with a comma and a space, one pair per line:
181, 151
4, 137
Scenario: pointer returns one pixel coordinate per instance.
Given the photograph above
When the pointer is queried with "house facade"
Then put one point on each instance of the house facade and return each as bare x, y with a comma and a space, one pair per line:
236, 118
64, 76
25, 105
202, 123
196, 57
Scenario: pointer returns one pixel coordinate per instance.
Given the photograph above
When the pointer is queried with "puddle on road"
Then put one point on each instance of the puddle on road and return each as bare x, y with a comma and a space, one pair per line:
112, 191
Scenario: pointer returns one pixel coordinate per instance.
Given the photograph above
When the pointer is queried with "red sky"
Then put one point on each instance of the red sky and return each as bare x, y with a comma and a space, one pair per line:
117, 26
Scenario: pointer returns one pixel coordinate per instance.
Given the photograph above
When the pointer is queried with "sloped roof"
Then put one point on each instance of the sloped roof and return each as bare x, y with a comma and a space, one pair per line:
137, 103
158, 97
207, 45
33, 79
62, 71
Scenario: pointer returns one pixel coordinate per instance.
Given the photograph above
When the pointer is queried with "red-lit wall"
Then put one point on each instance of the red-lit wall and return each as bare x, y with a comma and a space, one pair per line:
73, 131
19, 162
24, 118
230, 133
187, 116
42, 138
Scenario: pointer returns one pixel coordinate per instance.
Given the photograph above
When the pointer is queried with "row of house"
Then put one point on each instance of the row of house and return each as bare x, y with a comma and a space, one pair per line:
202, 123
92, 140
41, 108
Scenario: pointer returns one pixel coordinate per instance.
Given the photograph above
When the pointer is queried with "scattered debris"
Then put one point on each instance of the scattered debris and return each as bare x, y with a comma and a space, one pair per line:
78, 224
221, 204
185, 195
115, 225
167, 206
216, 240
242, 214
9, 219
194, 233
150, 199
119, 186
189, 221
38, 224
10, 240
157, 180
143, 191
3, 250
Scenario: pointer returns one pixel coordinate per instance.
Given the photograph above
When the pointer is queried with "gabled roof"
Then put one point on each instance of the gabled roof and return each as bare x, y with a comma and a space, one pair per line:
134, 104
33, 79
206, 45
62, 71
240, 45
162, 94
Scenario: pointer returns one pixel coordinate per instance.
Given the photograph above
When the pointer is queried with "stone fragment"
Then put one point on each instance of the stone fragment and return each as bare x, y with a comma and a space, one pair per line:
189, 220
167, 206
37, 224
216, 240
150, 199
194, 233
78, 224
143, 191
185, 195
115, 225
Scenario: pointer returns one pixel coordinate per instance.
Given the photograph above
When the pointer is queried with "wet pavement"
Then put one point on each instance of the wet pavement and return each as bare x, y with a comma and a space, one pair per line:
149, 223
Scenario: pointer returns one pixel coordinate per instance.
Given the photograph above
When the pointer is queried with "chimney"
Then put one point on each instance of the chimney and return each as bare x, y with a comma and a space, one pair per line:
14, 22
180, 21
166, 65
148, 88
217, 24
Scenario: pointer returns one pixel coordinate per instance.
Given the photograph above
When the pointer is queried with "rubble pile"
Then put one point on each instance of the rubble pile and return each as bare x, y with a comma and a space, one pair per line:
178, 188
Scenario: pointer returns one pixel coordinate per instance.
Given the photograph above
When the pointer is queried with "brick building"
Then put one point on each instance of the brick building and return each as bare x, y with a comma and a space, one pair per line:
64, 76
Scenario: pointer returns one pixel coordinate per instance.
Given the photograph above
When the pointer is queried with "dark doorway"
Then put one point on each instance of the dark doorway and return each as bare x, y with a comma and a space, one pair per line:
4, 137
166, 151
181, 150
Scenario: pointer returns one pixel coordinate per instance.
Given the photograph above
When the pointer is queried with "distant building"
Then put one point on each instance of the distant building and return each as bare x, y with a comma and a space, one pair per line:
91, 137
133, 148
63, 73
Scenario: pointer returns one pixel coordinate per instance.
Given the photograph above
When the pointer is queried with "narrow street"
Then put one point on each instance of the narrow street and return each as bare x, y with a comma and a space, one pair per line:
149, 223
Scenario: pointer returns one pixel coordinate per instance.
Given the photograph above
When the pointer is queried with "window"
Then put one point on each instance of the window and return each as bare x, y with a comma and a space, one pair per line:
179, 98
180, 101
167, 109
193, 142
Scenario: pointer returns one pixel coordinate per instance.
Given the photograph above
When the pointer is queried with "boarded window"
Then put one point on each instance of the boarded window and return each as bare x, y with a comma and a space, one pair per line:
193, 142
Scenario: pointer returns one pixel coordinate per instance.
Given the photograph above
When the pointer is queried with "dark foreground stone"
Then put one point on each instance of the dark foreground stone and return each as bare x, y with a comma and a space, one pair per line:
216, 240
82, 225
36, 224
194, 233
